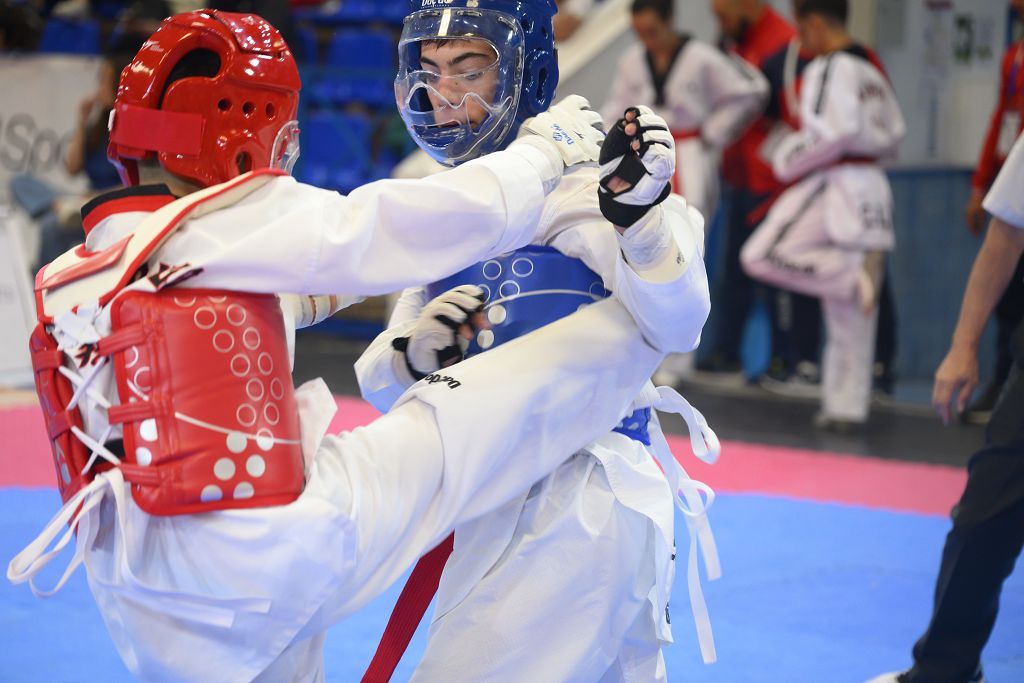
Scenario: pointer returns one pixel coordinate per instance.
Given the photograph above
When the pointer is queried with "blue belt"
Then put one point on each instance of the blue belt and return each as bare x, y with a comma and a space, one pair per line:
527, 289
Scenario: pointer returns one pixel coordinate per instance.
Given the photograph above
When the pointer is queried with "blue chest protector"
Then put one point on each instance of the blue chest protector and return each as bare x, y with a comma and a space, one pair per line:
527, 289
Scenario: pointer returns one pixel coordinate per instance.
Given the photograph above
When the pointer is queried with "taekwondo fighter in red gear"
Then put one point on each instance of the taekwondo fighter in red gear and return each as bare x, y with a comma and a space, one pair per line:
222, 530
569, 581
827, 234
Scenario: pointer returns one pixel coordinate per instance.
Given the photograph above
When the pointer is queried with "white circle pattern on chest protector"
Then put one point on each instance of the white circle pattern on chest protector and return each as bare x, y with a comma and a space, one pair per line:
223, 341
211, 493
522, 267
236, 315
134, 350
265, 363
244, 490
492, 270
236, 442
485, 338
276, 389
271, 413
224, 469
240, 365
251, 338
254, 389
509, 288
141, 379
205, 317
496, 314
487, 291
143, 456
265, 439
246, 415
147, 430
185, 301
255, 465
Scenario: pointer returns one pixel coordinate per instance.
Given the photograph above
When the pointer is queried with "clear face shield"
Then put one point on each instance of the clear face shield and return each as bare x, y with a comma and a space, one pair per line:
459, 76
285, 151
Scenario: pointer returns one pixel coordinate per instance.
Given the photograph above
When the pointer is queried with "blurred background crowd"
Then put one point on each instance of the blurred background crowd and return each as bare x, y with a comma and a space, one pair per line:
955, 66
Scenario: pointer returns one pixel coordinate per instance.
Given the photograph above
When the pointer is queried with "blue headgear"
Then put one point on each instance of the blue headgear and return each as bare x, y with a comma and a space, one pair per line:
524, 70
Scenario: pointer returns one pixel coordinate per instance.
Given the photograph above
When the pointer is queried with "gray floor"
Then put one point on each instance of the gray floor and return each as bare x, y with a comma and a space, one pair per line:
901, 430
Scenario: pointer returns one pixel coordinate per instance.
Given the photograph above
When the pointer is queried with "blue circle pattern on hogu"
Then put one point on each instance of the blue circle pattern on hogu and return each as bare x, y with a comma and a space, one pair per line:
527, 289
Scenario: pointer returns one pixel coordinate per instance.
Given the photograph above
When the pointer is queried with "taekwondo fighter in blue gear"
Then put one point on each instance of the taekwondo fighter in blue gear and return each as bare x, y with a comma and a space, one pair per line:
569, 582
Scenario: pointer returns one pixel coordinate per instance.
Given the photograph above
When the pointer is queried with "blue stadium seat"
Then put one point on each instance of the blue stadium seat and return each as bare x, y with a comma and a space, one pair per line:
79, 36
305, 46
335, 151
359, 67
354, 12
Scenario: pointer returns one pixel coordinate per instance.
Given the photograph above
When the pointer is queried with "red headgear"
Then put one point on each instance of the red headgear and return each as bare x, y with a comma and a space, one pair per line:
207, 129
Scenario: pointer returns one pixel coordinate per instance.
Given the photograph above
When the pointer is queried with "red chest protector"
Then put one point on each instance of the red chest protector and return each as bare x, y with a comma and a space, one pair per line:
205, 396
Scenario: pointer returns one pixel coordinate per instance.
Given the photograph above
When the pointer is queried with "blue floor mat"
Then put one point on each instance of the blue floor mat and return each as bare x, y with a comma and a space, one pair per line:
811, 593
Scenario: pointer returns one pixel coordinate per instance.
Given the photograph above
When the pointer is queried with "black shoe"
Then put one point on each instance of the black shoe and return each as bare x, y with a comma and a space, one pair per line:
803, 382
904, 677
980, 410
883, 382
838, 425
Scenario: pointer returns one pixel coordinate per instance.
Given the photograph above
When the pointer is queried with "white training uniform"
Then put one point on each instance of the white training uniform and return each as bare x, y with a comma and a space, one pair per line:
814, 239
248, 594
708, 98
570, 580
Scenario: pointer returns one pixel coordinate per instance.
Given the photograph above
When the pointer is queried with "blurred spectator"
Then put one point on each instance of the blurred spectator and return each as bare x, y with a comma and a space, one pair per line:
1007, 123
20, 27
56, 215
707, 98
828, 233
795, 370
988, 521
752, 31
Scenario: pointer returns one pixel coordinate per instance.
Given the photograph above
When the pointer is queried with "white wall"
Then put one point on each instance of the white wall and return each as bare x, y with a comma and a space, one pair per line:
947, 101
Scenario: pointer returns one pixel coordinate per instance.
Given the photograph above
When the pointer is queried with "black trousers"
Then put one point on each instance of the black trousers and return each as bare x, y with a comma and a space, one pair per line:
734, 294
983, 545
1009, 314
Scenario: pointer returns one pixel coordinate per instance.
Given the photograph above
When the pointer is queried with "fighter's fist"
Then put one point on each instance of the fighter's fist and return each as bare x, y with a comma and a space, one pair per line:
638, 160
434, 341
571, 127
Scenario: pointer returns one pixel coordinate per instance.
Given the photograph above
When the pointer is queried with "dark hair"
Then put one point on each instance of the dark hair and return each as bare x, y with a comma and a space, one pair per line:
835, 10
664, 8
122, 48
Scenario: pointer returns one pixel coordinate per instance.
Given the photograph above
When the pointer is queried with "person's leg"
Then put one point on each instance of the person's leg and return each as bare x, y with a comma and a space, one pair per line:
1009, 314
980, 551
463, 442
558, 602
734, 292
641, 659
849, 355
885, 340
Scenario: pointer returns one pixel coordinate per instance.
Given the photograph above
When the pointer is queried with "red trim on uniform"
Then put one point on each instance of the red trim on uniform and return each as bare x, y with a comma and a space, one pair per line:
157, 239
412, 604
107, 209
92, 262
